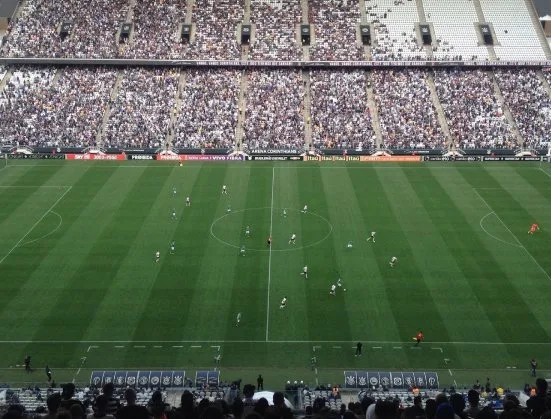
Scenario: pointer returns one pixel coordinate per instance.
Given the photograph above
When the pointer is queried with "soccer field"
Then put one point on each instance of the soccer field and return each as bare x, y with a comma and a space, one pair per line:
80, 289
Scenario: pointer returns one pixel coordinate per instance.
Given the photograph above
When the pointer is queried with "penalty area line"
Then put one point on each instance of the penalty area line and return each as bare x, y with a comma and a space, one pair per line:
512, 234
35, 224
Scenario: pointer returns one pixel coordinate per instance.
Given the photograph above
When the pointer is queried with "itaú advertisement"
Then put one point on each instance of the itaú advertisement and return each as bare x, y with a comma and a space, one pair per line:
95, 156
390, 158
198, 157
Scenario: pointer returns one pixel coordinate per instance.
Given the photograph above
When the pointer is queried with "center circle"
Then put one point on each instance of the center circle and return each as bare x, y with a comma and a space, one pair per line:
310, 228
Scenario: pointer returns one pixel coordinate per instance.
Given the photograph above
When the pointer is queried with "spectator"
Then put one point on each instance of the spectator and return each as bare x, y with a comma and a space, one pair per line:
53, 402
416, 410
133, 411
430, 408
275, 30
93, 34
208, 113
335, 22
100, 410
140, 116
340, 112
457, 402
406, 111
77, 412
113, 404
537, 404
529, 103
386, 409
473, 398
274, 117
67, 397
475, 118
445, 411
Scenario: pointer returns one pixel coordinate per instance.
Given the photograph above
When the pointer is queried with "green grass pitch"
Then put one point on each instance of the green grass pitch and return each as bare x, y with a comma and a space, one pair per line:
80, 288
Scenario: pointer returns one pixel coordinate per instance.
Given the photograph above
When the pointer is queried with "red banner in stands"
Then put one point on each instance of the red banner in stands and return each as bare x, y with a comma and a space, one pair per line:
92, 156
390, 158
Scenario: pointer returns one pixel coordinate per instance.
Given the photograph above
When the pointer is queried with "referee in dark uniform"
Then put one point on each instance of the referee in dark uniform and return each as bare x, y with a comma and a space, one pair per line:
358, 349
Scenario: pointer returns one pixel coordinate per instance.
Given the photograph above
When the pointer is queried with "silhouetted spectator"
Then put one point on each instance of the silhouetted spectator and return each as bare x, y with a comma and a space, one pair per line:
131, 410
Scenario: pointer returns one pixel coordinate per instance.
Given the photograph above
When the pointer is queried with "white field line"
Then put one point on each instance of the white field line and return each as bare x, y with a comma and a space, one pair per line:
545, 171
47, 234
481, 223
35, 224
374, 342
512, 234
36, 186
270, 259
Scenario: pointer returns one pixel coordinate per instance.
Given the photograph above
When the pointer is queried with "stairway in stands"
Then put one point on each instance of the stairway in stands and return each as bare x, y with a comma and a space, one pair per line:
539, 29
439, 110
189, 11
307, 110
6, 78
423, 20
241, 109
246, 19
482, 19
172, 128
107, 112
305, 19
506, 111
364, 21
544, 82
374, 111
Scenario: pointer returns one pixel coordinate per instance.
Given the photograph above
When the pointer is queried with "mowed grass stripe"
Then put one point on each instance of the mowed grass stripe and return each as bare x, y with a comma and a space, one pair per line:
375, 317
170, 301
138, 272
454, 268
324, 308
21, 268
21, 207
84, 291
217, 271
532, 192
408, 282
43, 270
290, 323
248, 275
525, 275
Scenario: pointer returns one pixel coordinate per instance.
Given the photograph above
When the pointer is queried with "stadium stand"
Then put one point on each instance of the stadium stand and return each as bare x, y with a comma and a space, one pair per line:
156, 33
34, 33
516, 36
394, 26
529, 102
335, 23
454, 27
275, 30
215, 30
340, 115
474, 116
140, 114
207, 116
274, 110
407, 113
55, 108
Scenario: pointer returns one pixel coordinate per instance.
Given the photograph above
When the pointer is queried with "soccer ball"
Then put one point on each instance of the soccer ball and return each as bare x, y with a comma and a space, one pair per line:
344, 289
